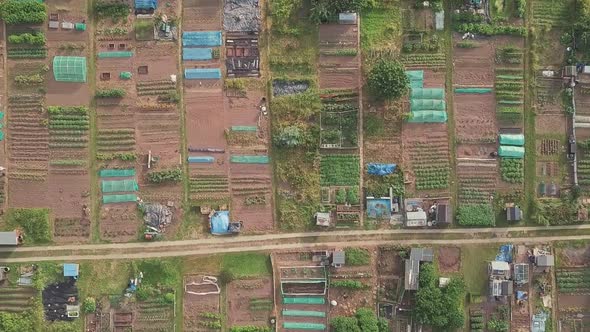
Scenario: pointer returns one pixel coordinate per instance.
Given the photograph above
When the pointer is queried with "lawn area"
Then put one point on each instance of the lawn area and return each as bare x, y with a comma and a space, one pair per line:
474, 266
103, 277
380, 28
246, 265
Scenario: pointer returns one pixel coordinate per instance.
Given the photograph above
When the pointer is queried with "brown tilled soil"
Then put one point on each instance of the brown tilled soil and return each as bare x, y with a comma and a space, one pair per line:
27, 194
119, 222
202, 15
161, 59
68, 194
473, 66
575, 256
240, 293
550, 124
389, 262
475, 117
249, 181
195, 305
449, 259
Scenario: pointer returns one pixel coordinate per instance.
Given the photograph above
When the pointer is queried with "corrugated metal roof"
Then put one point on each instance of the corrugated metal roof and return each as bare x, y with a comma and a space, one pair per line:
8, 238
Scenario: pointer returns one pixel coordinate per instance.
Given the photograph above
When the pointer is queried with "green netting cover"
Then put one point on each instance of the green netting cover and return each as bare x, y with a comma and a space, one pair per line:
508, 151
427, 93
1, 135
428, 117
303, 313
244, 128
304, 326
116, 54
125, 75
427, 105
473, 90
416, 78
249, 159
106, 199
304, 300
69, 69
512, 139
119, 186
80, 26
112, 173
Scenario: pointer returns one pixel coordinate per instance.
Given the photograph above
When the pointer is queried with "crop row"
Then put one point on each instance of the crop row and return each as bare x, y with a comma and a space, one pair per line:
339, 170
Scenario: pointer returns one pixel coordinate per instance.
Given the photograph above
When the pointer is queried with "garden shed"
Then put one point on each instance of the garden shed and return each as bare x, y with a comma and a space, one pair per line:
513, 213
416, 219
521, 273
70, 69
8, 238
71, 270
545, 260
501, 288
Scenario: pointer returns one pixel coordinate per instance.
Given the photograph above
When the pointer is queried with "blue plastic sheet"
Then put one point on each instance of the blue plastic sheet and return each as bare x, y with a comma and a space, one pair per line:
220, 222
201, 38
146, 4
195, 54
380, 169
505, 254
202, 73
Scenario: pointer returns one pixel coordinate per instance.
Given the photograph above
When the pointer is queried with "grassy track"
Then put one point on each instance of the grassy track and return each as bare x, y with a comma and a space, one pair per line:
529, 123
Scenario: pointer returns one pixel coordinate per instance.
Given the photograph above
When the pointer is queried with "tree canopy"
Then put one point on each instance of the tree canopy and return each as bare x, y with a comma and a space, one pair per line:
365, 320
388, 80
441, 308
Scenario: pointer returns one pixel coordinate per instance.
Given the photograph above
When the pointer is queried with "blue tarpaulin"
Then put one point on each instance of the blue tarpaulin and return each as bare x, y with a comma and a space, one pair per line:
202, 73
200, 159
146, 4
191, 54
71, 270
505, 254
520, 295
380, 169
201, 38
219, 222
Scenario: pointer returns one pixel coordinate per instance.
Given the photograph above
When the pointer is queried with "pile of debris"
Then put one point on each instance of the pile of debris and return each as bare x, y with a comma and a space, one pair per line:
283, 88
241, 15
156, 215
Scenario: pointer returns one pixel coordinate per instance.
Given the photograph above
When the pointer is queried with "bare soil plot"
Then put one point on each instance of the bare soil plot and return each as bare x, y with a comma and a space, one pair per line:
71, 229
161, 59
339, 69
449, 259
119, 222
548, 95
550, 124
251, 193
574, 257
475, 118
196, 307
202, 15
16, 299
250, 302
473, 66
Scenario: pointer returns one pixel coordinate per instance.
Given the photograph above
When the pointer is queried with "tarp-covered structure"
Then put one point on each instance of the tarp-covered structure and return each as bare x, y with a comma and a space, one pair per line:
219, 222
380, 169
119, 186
201, 38
416, 78
115, 54
508, 151
427, 93
146, 4
249, 159
70, 69
428, 117
512, 139
427, 105
125, 198
196, 54
202, 73
112, 173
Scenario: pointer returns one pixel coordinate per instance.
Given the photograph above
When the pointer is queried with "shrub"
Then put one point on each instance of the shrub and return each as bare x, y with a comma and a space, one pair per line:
352, 195
357, 256
340, 196
350, 284
110, 93
226, 276
168, 175
34, 223
169, 297
388, 80
89, 305
116, 11
22, 12
373, 125
491, 30
36, 39
288, 137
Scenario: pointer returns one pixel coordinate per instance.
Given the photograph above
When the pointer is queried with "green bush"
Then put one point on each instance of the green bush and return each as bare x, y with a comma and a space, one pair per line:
350, 284
357, 256
365, 320
22, 12
34, 223
168, 175
89, 305
352, 195
491, 30
388, 80
467, 44
35, 38
476, 215
115, 11
289, 137
373, 125
110, 93
340, 196
249, 329
169, 297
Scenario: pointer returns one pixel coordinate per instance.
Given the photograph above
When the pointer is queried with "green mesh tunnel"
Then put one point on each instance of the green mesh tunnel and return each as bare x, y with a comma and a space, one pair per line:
70, 69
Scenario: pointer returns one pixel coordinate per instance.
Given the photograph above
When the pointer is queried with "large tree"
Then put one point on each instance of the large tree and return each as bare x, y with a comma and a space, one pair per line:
388, 80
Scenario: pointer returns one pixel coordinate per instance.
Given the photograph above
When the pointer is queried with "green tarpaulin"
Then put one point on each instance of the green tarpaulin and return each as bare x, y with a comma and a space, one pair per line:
473, 90
303, 313
244, 128
112, 173
428, 117
304, 300
125, 75
427, 105
512, 139
80, 26
116, 54
427, 93
416, 78
106, 199
249, 159
119, 186
508, 151
303, 326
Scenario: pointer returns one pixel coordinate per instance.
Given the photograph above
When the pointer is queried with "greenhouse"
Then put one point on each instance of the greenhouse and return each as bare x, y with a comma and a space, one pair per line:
427, 93
428, 117
507, 151
416, 78
427, 105
512, 139
70, 69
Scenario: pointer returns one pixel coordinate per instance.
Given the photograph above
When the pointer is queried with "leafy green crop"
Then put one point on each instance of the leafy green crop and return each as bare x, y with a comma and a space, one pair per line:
476, 215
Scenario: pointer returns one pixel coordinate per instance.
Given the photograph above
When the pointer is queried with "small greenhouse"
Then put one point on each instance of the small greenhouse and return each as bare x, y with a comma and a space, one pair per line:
507, 151
427, 93
416, 78
70, 69
428, 117
512, 139
427, 105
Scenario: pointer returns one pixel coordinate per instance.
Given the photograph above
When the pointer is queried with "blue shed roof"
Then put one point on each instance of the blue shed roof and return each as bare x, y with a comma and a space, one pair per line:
71, 270
146, 4
220, 222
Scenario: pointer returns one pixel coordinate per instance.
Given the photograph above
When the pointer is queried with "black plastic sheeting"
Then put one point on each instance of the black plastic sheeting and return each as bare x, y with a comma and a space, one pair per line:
56, 297
284, 88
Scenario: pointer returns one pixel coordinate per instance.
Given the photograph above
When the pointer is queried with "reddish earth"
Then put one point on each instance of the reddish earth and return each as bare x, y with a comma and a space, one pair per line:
475, 118
202, 15
119, 222
71, 229
160, 57
337, 72
473, 66
389, 262
240, 294
195, 305
68, 194
449, 259
550, 124
575, 256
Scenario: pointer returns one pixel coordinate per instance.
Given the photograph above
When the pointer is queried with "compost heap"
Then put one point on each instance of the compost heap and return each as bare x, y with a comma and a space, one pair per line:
56, 297
241, 15
157, 215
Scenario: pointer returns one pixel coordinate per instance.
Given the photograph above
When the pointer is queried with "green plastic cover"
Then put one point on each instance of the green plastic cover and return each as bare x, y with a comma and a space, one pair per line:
70, 69
244, 128
116, 54
508, 151
119, 186
249, 159
512, 139
303, 313
428, 117
106, 199
427, 105
125, 75
427, 93
416, 78
304, 300
80, 26
1, 135
473, 90
304, 326
115, 173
